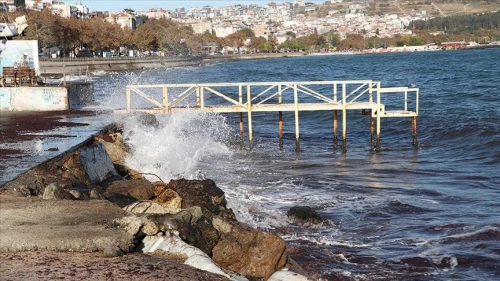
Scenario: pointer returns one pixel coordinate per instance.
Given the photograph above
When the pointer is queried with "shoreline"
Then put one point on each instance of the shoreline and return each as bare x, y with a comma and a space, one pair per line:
88, 214
56, 68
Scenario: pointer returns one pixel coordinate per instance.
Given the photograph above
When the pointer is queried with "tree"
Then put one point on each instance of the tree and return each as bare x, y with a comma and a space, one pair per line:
313, 41
129, 11
41, 28
416, 41
291, 34
257, 43
145, 36
67, 33
293, 44
332, 38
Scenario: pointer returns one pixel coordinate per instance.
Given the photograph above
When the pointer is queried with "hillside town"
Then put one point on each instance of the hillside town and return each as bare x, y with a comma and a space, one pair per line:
276, 20
355, 26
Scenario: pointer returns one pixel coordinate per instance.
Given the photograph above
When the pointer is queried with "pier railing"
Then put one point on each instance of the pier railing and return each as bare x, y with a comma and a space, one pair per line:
249, 97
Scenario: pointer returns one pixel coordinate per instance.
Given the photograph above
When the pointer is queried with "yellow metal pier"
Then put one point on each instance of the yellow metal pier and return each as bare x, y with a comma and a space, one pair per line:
249, 97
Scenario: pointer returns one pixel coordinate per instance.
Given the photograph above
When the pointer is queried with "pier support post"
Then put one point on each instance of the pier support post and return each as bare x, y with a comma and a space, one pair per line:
240, 99
296, 100
165, 99
344, 119
379, 114
335, 129
241, 126
280, 118
197, 96
414, 131
372, 132
249, 110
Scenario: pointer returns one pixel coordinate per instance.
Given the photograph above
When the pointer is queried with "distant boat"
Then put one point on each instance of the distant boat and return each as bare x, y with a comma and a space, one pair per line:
342, 53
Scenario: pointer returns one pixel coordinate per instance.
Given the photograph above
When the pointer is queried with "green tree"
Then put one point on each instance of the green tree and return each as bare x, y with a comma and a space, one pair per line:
416, 41
332, 38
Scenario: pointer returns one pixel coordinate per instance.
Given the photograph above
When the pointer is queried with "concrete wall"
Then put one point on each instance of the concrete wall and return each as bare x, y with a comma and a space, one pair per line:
56, 67
33, 99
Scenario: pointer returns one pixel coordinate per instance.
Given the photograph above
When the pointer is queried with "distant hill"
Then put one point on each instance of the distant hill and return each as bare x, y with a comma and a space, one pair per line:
437, 8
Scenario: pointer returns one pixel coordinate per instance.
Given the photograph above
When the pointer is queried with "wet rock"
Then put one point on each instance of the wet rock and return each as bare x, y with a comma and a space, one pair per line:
222, 225
203, 193
121, 200
131, 224
448, 262
201, 235
22, 191
115, 147
78, 195
96, 195
303, 215
159, 187
109, 179
292, 265
126, 192
169, 199
417, 261
128, 173
250, 252
149, 207
54, 191
164, 222
111, 251
96, 162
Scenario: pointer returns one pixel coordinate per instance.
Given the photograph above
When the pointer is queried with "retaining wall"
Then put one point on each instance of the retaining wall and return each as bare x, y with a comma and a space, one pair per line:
33, 99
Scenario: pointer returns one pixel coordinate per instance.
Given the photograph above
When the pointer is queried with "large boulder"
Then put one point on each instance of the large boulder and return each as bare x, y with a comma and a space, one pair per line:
155, 223
250, 252
304, 215
54, 191
201, 235
148, 207
97, 164
124, 193
203, 193
169, 199
114, 145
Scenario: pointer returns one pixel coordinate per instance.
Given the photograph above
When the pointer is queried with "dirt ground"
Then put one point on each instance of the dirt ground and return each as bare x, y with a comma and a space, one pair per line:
63, 239
93, 266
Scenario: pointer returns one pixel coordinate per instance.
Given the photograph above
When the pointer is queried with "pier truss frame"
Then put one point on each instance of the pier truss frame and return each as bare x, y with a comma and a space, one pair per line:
249, 97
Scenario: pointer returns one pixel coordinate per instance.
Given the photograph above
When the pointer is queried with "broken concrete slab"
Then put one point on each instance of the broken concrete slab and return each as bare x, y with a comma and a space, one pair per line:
30, 224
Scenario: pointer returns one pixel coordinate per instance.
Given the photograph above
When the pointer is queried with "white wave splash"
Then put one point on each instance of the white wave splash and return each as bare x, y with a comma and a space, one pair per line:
177, 146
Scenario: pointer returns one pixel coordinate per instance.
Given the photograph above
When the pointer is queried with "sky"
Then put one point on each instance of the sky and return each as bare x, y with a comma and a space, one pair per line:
143, 5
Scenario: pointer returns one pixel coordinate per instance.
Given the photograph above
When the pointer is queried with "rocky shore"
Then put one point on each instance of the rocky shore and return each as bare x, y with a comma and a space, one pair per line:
85, 215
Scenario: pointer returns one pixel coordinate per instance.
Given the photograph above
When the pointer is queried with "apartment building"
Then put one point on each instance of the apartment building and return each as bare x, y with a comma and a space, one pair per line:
11, 5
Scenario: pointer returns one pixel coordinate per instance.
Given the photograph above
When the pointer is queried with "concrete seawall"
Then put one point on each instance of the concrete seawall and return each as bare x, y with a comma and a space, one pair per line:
33, 99
56, 67
82, 66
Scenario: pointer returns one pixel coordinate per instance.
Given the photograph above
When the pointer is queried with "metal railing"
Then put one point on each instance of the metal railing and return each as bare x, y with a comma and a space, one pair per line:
260, 96
249, 97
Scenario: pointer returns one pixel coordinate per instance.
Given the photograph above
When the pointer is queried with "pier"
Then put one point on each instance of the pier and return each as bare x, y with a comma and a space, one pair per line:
366, 96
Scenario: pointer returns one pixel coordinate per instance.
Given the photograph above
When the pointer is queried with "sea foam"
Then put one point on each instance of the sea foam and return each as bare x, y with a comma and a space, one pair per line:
176, 146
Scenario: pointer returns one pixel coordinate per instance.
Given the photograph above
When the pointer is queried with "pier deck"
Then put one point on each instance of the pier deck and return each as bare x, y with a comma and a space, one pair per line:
249, 97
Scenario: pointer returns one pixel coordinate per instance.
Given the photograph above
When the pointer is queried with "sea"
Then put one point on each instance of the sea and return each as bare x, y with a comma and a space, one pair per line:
429, 212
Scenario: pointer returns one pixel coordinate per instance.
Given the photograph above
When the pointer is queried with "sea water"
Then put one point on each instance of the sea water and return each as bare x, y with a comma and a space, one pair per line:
401, 214
429, 213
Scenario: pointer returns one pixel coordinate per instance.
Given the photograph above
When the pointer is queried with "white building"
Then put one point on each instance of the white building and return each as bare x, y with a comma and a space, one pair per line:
77, 11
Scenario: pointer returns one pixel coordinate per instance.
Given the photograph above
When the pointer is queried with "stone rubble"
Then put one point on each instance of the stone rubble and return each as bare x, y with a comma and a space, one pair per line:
188, 219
